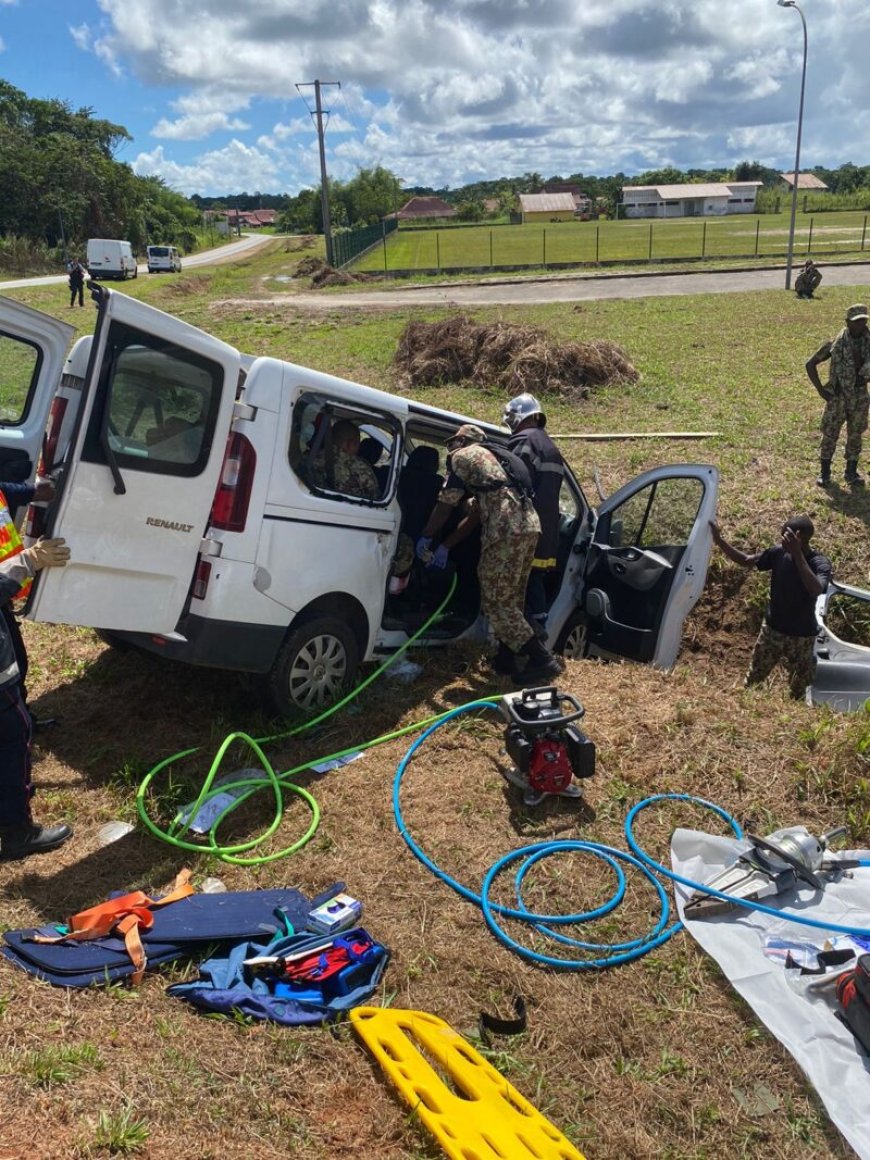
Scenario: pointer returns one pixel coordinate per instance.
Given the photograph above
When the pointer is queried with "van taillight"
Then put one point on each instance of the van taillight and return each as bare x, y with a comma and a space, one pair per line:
201, 579
52, 436
230, 508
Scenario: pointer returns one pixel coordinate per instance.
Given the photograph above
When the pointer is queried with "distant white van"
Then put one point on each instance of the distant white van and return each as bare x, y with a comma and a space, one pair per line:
111, 258
164, 258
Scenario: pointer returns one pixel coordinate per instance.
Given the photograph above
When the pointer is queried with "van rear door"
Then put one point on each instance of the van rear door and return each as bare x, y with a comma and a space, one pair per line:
33, 347
141, 473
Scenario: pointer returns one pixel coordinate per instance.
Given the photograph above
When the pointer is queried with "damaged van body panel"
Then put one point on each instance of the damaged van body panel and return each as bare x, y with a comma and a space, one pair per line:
842, 676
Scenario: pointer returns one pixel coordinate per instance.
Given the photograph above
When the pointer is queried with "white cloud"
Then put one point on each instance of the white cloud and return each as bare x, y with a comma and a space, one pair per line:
195, 126
81, 36
446, 90
237, 166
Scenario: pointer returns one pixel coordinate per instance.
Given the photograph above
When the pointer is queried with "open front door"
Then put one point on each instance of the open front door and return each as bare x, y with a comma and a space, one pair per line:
33, 347
141, 472
647, 563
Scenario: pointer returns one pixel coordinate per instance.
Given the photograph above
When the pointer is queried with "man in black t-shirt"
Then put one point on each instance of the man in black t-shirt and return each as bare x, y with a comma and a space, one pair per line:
798, 575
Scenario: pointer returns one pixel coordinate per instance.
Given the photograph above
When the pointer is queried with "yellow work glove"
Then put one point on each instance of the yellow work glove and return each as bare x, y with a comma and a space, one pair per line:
47, 554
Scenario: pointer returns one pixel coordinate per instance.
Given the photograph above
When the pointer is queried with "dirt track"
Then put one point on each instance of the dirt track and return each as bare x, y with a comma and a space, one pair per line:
575, 288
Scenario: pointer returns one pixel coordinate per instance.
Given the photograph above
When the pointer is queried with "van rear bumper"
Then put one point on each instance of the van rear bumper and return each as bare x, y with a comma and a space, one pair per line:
218, 644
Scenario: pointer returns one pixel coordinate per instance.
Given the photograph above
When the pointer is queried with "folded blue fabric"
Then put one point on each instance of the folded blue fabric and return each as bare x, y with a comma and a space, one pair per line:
226, 985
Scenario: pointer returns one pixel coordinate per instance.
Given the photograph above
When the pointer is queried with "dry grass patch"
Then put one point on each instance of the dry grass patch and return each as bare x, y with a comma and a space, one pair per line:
507, 358
642, 1062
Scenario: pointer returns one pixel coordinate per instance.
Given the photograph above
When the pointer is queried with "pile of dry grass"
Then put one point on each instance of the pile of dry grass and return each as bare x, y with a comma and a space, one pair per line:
322, 274
507, 358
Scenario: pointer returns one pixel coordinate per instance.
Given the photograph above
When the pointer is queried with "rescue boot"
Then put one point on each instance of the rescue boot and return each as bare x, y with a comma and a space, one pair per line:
505, 661
541, 666
852, 475
825, 474
29, 838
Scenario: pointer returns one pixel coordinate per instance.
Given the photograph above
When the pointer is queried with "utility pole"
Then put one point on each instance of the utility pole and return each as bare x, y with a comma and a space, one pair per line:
324, 187
63, 238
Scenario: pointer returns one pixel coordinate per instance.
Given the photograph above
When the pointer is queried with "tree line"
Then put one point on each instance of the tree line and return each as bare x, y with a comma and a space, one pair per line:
62, 183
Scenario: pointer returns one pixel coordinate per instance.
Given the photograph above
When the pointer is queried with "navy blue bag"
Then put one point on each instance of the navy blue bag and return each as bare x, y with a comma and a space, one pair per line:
180, 929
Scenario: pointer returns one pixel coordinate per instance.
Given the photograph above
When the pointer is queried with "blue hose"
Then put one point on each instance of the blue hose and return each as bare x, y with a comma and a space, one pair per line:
657, 868
543, 924
531, 855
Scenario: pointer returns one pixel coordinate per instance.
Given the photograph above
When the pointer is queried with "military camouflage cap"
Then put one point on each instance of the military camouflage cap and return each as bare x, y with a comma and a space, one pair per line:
470, 432
854, 313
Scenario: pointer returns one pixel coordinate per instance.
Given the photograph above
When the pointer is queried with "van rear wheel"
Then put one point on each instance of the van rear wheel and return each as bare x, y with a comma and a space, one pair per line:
572, 639
315, 667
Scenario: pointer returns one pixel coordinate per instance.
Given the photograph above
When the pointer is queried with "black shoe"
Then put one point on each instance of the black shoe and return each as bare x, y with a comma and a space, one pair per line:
504, 662
542, 665
40, 724
22, 841
852, 475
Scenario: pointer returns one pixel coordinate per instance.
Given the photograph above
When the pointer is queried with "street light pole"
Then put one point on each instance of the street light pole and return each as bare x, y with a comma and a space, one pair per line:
797, 155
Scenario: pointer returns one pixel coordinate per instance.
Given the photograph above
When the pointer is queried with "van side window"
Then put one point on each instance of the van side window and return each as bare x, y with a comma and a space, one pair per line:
159, 405
343, 452
19, 367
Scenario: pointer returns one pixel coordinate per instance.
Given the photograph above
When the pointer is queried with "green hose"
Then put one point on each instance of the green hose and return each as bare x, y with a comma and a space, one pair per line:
279, 782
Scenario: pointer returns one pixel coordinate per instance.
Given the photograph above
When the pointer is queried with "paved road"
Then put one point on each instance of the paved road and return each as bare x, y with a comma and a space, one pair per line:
573, 288
225, 253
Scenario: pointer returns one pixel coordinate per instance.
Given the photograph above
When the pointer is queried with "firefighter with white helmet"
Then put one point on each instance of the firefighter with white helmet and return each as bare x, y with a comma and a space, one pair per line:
525, 418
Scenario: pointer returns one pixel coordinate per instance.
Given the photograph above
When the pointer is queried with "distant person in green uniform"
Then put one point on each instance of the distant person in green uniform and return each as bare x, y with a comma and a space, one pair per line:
846, 398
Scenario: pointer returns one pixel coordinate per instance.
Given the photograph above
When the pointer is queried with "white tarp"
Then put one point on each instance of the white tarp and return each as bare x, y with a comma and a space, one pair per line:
802, 1018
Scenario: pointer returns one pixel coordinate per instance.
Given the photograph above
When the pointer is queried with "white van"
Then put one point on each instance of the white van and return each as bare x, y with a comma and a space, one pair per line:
164, 258
111, 258
198, 533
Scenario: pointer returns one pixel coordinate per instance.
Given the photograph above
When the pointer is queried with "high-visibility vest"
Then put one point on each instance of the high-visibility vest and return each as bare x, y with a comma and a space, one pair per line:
11, 543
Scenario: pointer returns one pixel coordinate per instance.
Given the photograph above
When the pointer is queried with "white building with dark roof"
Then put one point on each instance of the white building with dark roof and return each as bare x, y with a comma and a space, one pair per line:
711, 199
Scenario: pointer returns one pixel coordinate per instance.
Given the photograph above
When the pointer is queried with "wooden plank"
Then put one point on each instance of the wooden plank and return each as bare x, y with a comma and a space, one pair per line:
601, 437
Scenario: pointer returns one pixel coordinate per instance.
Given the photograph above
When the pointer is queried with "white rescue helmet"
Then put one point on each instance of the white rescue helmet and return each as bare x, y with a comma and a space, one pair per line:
521, 408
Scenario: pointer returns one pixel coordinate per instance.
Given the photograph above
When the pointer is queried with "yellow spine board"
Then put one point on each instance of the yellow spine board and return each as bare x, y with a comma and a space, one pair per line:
489, 1120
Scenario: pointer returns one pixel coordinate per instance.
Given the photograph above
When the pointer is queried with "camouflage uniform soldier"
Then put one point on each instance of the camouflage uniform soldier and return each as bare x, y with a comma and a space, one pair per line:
339, 468
798, 575
846, 398
807, 282
509, 534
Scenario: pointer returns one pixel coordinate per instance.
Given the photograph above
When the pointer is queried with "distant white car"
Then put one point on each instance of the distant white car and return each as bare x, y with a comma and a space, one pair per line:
164, 258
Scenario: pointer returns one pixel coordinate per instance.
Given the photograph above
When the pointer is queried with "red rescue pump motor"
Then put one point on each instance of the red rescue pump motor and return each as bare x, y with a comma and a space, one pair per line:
546, 749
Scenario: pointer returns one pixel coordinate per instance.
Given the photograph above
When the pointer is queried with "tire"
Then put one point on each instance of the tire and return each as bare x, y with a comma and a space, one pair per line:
315, 667
572, 639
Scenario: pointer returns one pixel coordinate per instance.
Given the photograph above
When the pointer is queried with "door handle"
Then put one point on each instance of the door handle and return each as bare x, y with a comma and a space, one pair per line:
619, 569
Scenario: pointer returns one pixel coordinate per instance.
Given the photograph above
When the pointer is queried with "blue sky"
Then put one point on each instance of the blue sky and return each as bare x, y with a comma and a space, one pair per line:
445, 92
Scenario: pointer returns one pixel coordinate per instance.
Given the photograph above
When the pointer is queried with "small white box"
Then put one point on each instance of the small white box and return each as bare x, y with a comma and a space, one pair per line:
338, 913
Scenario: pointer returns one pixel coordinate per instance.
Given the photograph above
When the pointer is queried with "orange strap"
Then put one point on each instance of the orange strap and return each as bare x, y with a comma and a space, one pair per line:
126, 916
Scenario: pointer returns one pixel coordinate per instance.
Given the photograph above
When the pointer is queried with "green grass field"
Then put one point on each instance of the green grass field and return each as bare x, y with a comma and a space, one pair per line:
582, 243
658, 1060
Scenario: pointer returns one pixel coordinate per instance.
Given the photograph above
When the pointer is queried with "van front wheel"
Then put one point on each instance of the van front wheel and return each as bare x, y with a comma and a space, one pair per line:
314, 668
